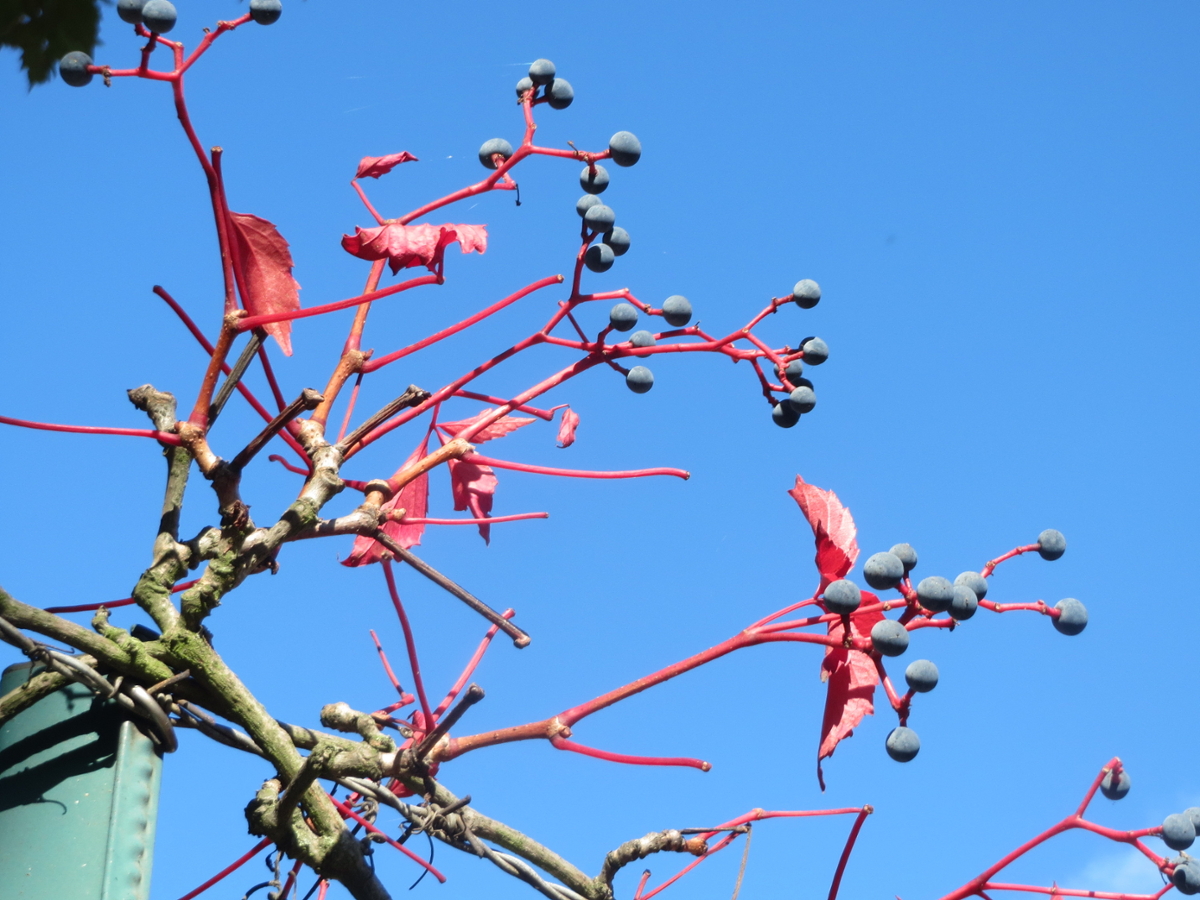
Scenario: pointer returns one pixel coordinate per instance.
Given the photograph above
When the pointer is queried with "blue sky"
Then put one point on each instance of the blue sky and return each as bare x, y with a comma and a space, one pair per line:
999, 202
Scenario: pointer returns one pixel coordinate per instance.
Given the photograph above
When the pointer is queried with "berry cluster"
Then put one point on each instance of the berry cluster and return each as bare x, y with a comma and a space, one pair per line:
959, 599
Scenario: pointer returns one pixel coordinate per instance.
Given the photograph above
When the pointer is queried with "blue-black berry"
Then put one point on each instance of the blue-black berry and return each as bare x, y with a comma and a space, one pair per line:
842, 596
976, 582
599, 257
921, 675
640, 379
816, 351
618, 239
541, 71
74, 68
130, 10
491, 148
1051, 544
677, 310
560, 93
883, 571
623, 316
586, 202
525, 84
1118, 790
806, 294
889, 637
964, 604
1072, 618
1186, 876
783, 415
642, 338
906, 554
159, 16
902, 744
1178, 832
266, 12
599, 217
803, 399
793, 370
625, 148
935, 593
594, 182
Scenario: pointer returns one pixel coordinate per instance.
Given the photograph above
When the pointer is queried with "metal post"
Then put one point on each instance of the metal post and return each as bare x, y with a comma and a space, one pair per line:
78, 799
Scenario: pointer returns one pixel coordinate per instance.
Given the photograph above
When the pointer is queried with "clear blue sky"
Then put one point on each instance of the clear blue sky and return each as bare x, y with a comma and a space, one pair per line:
1000, 203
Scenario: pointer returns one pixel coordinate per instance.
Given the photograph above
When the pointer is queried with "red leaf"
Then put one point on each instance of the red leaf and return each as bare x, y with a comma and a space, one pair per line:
405, 246
413, 497
266, 264
833, 528
498, 429
566, 428
474, 488
374, 166
852, 677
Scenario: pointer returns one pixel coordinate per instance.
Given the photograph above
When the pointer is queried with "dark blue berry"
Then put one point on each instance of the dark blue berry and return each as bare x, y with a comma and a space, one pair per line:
130, 10
599, 257
622, 316
964, 604
935, 593
593, 182
1178, 832
541, 71
618, 239
883, 571
677, 310
1194, 813
599, 218
806, 294
793, 371
1186, 876
266, 12
586, 202
159, 16
842, 596
816, 351
1073, 617
73, 68
1051, 544
802, 399
783, 415
976, 582
625, 148
491, 148
1118, 790
906, 554
903, 745
642, 338
525, 84
640, 379
560, 93
921, 675
889, 637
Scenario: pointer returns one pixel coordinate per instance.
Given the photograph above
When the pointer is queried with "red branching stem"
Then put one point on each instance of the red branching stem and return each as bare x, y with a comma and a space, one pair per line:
721, 845
354, 339
472, 663
250, 322
409, 642
291, 881
367, 203
574, 473
269, 372
811, 601
232, 867
163, 436
490, 520
1037, 606
466, 323
275, 457
1069, 892
987, 570
322, 890
641, 885
216, 365
544, 414
351, 814
562, 743
1115, 766
204, 44
113, 604
893, 697
350, 407
846, 851
387, 667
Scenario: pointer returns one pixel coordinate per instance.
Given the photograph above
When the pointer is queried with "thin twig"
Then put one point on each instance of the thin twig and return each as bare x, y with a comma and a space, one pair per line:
413, 396
308, 399
473, 695
234, 376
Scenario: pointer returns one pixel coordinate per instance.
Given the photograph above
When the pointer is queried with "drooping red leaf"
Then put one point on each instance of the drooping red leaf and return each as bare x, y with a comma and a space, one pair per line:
566, 428
833, 528
474, 488
851, 678
413, 497
374, 166
405, 246
266, 264
498, 429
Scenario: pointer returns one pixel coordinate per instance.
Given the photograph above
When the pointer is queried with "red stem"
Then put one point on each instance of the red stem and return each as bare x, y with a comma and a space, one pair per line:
250, 322
544, 414
562, 743
349, 813
490, 520
387, 667
163, 436
841, 866
990, 567
410, 643
232, 867
471, 665
721, 845
574, 473
113, 604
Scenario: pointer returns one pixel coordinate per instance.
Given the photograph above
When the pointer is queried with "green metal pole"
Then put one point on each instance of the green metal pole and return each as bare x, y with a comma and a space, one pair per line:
78, 799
